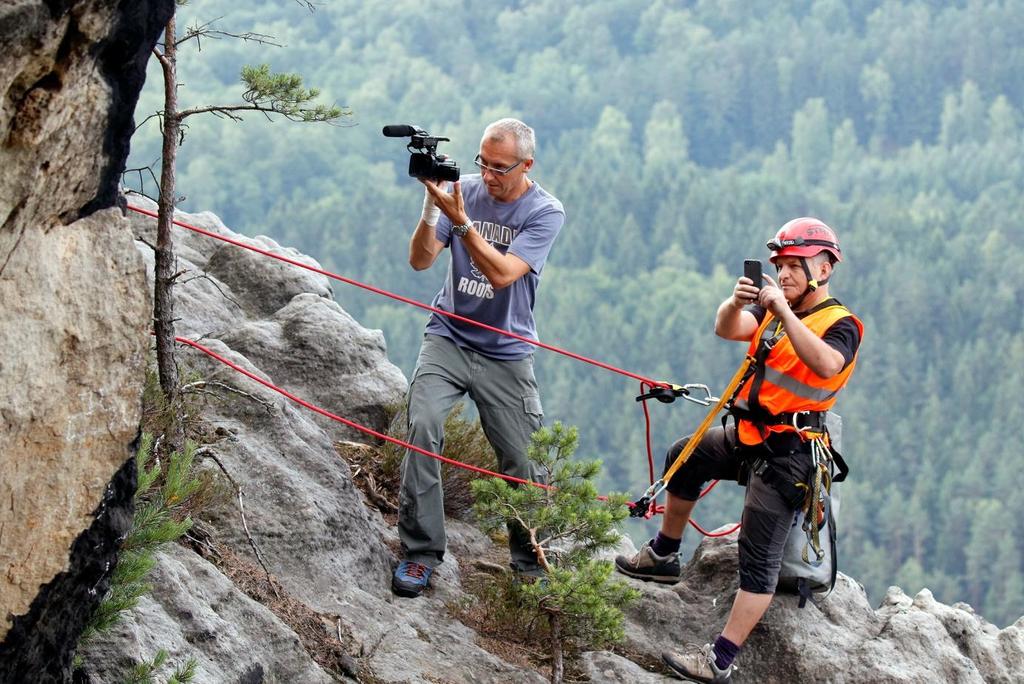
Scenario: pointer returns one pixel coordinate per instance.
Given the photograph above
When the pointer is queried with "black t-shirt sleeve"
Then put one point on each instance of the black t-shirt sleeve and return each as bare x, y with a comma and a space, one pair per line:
758, 311
844, 337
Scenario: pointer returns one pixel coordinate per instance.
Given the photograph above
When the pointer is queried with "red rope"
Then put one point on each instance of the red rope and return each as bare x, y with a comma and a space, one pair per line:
379, 435
362, 428
700, 529
654, 508
412, 302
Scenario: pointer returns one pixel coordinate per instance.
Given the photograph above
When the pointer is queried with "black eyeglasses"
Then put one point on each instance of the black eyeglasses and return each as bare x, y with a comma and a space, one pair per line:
498, 172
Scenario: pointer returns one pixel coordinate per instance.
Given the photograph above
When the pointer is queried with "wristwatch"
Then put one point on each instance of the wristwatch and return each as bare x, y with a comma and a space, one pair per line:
462, 230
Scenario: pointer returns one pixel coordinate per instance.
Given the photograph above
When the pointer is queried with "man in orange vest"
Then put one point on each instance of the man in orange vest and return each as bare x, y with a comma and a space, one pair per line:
804, 344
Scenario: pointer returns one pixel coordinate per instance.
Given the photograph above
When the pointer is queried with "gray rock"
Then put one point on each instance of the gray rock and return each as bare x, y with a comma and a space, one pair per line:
261, 284
413, 640
602, 667
265, 285
313, 347
839, 638
300, 501
196, 612
73, 318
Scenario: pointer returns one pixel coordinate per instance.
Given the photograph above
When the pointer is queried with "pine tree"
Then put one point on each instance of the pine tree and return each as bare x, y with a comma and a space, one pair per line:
265, 92
567, 525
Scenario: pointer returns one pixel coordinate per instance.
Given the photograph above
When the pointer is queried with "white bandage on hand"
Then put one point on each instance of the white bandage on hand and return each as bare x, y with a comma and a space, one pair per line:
431, 212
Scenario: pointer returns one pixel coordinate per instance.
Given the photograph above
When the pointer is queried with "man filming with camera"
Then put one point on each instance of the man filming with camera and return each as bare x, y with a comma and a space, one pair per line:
499, 227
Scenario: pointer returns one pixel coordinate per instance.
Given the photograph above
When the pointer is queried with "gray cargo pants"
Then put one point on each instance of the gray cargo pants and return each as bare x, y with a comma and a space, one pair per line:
507, 398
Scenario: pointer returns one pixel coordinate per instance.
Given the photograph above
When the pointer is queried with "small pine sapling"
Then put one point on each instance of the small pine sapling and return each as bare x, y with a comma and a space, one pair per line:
159, 520
567, 525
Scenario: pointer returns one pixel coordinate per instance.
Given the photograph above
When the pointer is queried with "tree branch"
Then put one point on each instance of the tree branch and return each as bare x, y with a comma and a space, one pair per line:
563, 534
142, 182
219, 110
207, 451
162, 59
223, 294
200, 385
226, 111
541, 557
154, 115
200, 31
146, 242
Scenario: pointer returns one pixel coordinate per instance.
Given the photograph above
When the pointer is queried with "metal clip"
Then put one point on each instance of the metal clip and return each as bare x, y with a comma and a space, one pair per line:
706, 400
641, 505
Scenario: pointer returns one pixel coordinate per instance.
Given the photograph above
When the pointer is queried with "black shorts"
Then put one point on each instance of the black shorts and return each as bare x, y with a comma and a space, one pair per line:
767, 516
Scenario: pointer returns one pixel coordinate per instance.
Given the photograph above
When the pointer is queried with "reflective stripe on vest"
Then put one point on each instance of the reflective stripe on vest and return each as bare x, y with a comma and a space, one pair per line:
788, 385
796, 387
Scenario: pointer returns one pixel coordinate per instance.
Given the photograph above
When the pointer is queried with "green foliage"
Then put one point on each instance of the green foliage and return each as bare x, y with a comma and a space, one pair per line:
567, 525
284, 94
163, 496
145, 672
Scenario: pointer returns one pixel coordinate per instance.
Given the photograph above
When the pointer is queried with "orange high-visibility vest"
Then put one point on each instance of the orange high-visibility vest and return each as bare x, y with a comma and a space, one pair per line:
788, 385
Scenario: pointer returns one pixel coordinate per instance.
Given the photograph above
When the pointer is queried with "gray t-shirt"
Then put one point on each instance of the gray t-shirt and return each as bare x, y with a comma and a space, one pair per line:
526, 227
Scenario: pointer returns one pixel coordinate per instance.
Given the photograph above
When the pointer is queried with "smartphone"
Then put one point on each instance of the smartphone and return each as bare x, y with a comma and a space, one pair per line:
752, 270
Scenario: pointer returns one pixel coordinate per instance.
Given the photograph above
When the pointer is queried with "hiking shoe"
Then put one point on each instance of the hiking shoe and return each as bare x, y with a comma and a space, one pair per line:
410, 579
697, 665
649, 566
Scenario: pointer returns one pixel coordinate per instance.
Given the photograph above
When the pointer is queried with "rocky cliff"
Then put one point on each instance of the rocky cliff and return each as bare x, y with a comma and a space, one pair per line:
73, 314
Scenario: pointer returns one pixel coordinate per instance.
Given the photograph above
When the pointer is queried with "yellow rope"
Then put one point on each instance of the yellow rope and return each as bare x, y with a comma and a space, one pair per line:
706, 423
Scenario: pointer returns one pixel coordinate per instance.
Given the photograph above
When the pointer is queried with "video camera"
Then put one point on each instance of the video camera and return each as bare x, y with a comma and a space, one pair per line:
424, 162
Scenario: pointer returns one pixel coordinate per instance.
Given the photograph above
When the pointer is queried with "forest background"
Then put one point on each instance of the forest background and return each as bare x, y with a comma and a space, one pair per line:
680, 136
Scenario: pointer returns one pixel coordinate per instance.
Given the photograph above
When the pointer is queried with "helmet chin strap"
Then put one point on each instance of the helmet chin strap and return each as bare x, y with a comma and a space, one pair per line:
812, 284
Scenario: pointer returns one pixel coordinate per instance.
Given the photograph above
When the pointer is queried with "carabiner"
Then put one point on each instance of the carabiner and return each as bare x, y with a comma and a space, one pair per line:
707, 400
796, 415
641, 505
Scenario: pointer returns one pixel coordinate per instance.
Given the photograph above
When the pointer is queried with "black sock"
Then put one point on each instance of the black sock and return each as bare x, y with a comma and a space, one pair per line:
725, 652
663, 545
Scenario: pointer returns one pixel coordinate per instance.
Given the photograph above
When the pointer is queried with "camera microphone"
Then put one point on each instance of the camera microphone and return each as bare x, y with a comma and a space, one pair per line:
400, 131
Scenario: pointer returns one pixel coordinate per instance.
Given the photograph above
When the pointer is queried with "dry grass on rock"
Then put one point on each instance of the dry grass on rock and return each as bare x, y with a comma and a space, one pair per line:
327, 640
376, 470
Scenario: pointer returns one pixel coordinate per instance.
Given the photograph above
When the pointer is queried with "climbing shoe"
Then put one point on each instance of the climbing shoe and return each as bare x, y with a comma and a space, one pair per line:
697, 664
410, 579
649, 566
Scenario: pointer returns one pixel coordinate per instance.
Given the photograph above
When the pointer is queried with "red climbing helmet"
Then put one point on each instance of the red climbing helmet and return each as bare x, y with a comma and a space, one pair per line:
805, 237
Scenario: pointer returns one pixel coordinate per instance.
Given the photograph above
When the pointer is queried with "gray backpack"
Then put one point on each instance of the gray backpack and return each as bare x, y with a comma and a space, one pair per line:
807, 570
